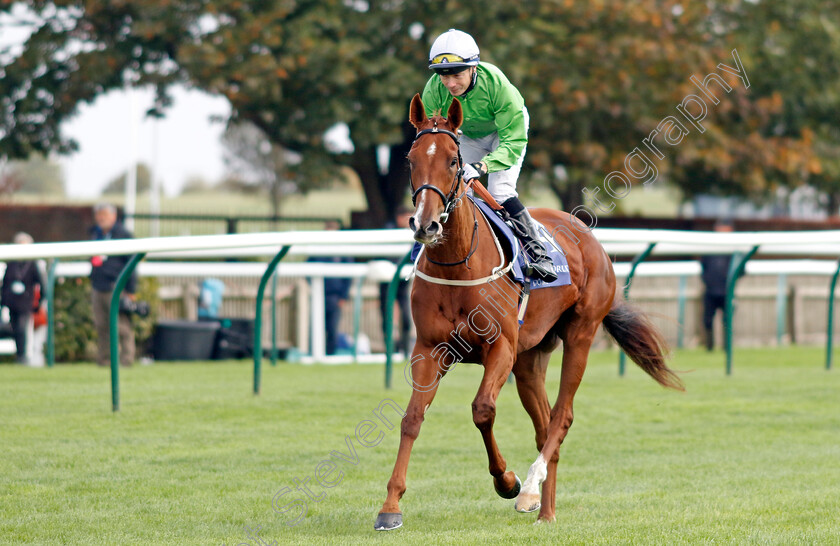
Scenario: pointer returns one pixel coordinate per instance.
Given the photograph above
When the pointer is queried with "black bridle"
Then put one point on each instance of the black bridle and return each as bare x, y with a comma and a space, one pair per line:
451, 200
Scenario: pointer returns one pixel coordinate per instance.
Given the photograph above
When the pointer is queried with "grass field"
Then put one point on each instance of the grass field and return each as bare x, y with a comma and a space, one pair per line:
193, 457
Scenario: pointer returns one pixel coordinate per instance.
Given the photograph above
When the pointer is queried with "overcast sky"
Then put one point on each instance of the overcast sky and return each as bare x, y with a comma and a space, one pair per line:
187, 142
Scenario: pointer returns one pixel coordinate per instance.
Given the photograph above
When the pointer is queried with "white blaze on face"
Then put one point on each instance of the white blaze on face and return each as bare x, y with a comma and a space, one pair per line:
432, 149
418, 213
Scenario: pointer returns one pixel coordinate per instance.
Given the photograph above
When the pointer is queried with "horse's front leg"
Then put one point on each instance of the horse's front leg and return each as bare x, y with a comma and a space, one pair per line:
423, 373
497, 366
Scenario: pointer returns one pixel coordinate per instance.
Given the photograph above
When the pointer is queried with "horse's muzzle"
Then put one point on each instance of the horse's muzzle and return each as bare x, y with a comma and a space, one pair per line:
425, 234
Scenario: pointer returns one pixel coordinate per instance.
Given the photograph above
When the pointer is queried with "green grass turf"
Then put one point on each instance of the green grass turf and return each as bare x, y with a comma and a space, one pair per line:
193, 457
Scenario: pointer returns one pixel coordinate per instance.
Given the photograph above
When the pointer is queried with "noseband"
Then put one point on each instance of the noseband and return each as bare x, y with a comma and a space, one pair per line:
449, 201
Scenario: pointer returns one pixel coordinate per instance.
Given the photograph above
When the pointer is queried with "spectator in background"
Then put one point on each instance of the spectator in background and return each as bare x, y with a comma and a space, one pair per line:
715, 272
103, 275
401, 343
336, 293
18, 294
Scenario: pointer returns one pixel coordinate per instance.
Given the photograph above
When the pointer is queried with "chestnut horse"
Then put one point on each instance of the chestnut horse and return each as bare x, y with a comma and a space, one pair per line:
464, 304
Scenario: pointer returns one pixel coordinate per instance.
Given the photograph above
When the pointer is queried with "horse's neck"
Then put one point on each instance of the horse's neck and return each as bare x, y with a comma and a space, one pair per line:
459, 237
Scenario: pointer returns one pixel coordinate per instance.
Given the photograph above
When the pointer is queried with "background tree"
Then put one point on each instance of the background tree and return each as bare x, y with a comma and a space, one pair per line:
597, 78
293, 69
116, 186
36, 175
196, 184
317, 64
794, 49
10, 181
252, 158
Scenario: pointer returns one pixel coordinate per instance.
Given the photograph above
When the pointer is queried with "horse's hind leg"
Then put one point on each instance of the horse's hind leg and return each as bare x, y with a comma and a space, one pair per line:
530, 369
577, 340
497, 367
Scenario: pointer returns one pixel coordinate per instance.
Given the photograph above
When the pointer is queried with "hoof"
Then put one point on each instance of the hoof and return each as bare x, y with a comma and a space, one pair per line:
513, 493
388, 522
527, 503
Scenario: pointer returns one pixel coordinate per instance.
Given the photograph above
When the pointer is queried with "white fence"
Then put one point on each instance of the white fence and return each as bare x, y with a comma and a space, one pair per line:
625, 242
396, 243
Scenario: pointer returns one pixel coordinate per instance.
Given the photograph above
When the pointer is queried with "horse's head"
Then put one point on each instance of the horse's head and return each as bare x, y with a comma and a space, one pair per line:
435, 163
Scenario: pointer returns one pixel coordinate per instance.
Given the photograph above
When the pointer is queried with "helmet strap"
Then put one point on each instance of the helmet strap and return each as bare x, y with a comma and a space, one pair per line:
472, 82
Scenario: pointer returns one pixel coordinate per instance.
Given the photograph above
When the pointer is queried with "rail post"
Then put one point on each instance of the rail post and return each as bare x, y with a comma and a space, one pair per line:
114, 314
622, 358
736, 269
274, 319
829, 349
357, 317
681, 297
269, 272
50, 293
781, 308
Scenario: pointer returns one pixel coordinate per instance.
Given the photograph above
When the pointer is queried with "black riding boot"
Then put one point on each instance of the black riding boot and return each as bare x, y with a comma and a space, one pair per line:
526, 230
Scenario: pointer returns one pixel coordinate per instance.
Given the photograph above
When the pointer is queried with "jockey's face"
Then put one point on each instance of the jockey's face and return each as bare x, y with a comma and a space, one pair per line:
457, 84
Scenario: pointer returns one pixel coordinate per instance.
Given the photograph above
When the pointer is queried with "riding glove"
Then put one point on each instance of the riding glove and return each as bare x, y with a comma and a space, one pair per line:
474, 170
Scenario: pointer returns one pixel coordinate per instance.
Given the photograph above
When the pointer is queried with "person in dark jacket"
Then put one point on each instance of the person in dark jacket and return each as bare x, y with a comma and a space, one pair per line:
18, 294
336, 294
715, 272
104, 273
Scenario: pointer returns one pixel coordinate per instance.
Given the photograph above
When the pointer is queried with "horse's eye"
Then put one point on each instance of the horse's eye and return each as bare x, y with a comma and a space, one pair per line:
454, 162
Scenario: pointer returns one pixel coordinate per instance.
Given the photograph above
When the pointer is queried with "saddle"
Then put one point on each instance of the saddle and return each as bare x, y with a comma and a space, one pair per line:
509, 239
506, 236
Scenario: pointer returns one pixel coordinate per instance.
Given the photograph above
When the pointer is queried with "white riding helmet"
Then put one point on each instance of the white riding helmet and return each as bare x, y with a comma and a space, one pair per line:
453, 52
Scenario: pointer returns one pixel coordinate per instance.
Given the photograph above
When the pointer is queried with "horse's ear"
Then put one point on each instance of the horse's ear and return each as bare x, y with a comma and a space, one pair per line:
417, 112
455, 115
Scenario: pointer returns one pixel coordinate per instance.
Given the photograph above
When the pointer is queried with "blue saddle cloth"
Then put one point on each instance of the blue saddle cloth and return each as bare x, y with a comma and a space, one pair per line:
511, 242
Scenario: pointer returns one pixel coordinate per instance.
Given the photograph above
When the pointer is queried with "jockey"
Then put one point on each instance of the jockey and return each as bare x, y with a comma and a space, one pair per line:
495, 130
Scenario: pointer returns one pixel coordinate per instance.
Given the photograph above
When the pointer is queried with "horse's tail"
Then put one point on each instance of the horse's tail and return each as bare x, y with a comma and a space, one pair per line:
642, 341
